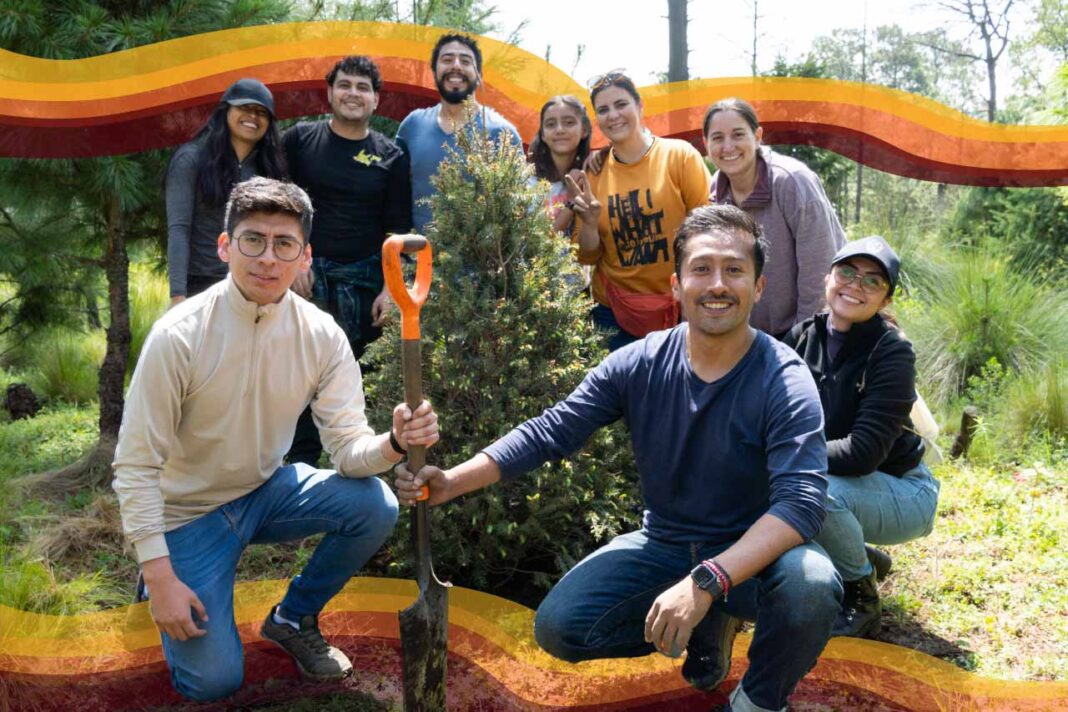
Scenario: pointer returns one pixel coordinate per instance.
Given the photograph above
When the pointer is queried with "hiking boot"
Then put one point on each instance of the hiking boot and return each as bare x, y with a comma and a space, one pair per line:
315, 658
880, 561
708, 656
862, 611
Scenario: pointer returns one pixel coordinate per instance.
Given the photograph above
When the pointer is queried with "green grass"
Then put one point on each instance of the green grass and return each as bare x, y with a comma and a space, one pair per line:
64, 365
992, 578
149, 298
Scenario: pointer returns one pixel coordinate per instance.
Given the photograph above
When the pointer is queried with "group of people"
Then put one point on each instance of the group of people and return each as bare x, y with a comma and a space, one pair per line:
766, 390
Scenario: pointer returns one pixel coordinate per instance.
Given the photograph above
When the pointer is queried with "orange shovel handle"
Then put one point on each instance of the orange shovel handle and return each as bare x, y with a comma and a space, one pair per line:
409, 301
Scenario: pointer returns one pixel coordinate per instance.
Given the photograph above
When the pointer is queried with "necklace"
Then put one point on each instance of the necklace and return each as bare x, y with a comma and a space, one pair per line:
648, 147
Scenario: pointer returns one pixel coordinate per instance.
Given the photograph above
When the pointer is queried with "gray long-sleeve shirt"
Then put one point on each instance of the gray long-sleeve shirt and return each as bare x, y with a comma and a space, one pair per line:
192, 226
803, 234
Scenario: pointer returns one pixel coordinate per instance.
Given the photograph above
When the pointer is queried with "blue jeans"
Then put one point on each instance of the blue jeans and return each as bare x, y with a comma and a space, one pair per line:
876, 508
357, 516
598, 609
605, 320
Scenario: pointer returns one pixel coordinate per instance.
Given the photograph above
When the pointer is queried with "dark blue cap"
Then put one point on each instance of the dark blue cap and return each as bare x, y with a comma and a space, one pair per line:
874, 248
249, 91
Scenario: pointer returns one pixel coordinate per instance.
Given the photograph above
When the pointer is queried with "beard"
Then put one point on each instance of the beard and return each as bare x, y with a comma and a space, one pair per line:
455, 96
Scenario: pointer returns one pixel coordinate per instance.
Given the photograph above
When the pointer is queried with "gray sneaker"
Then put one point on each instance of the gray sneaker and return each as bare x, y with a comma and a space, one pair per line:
315, 658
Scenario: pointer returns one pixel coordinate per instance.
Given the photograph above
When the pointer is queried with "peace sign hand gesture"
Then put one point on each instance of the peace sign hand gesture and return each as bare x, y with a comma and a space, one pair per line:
583, 199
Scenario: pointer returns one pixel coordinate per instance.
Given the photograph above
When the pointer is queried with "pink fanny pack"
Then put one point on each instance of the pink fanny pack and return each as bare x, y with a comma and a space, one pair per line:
639, 314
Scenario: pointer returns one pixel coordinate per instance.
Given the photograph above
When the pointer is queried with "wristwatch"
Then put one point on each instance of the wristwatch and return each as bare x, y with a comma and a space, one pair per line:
706, 580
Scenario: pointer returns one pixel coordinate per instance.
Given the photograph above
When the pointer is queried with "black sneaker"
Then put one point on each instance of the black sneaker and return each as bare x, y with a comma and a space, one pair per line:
862, 611
880, 561
708, 656
315, 658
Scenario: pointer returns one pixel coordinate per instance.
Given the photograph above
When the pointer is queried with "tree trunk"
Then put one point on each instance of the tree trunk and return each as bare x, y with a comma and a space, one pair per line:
991, 76
678, 47
113, 370
94, 470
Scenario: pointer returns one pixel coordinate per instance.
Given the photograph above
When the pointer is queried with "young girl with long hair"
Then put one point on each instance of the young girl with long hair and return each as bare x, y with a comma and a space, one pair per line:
558, 149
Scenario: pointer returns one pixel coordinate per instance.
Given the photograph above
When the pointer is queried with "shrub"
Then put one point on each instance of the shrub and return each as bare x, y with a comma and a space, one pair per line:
985, 307
63, 364
1031, 222
1036, 405
505, 335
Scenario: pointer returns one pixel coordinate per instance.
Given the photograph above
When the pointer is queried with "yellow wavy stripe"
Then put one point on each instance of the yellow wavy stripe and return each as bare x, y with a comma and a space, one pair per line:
504, 624
523, 76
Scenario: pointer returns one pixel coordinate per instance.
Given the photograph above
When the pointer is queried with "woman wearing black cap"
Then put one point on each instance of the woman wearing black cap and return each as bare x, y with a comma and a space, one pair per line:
879, 491
240, 140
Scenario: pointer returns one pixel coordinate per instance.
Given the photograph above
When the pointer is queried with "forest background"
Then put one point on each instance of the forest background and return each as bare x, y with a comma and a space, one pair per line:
82, 278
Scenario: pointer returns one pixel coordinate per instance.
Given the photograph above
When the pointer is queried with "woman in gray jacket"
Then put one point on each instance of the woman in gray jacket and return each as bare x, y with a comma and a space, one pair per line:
240, 140
787, 200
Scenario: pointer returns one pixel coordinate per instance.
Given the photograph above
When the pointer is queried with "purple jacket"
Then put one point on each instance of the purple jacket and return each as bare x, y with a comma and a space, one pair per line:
803, 234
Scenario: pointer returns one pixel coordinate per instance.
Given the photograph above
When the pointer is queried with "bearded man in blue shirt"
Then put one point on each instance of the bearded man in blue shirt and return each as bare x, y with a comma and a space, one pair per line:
727, 432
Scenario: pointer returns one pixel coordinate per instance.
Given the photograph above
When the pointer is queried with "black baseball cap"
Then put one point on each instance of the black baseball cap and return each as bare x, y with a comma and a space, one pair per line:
249, 91
874, 248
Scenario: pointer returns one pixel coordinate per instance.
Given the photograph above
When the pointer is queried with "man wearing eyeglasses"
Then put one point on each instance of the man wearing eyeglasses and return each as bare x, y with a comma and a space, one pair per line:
210, 412
429, 134
358, 182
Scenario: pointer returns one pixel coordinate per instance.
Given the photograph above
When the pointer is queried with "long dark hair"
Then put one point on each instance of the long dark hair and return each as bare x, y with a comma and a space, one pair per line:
218, 171
542, 157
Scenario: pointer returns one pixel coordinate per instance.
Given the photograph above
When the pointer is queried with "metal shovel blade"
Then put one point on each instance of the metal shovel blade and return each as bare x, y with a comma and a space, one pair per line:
424, 630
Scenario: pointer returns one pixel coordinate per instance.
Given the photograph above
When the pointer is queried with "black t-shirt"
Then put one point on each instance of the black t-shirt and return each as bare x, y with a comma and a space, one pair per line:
361, 190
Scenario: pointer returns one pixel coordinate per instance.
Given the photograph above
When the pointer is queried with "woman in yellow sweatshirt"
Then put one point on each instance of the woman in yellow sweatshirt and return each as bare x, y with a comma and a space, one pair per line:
628, 213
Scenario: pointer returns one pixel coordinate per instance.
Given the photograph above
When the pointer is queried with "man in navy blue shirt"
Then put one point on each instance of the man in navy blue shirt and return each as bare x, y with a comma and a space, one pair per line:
727, 432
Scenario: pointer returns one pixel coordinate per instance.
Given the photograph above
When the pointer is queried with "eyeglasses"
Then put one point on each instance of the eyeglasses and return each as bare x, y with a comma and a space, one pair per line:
601, 80
870, 283
286, 249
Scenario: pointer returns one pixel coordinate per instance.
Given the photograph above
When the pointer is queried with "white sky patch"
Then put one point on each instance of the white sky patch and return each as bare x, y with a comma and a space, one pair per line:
634, 35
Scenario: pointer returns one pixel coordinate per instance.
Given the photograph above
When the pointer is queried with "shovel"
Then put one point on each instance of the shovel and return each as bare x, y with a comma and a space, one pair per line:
423, 625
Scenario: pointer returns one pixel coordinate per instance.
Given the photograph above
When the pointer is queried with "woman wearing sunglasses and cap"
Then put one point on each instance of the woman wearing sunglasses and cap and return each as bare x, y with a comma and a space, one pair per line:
879, 490
239, 140
627, 214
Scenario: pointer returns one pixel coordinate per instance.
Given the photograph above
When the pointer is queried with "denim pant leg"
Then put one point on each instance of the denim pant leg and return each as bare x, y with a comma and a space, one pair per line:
604, 319
204, 555
877, 508
356, 514
794, 602
598, 608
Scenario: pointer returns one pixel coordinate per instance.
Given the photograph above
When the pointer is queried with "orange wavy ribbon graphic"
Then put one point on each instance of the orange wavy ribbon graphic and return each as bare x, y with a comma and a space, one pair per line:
113, 661
158, 95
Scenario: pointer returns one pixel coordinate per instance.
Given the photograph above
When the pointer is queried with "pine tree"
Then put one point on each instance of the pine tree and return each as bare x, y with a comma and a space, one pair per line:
107, 201
506, 333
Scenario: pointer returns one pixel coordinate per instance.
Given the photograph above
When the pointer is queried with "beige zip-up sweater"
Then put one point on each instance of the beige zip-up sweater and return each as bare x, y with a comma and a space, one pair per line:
214, 401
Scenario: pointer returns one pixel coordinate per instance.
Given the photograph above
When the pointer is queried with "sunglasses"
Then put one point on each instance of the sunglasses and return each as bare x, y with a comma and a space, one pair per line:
870, 283
601, 80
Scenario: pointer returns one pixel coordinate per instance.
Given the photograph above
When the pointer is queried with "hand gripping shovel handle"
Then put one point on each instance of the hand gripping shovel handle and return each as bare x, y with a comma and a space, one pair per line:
410, 301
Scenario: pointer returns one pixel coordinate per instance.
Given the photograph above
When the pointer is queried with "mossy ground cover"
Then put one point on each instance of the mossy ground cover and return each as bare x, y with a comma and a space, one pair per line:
987, 590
